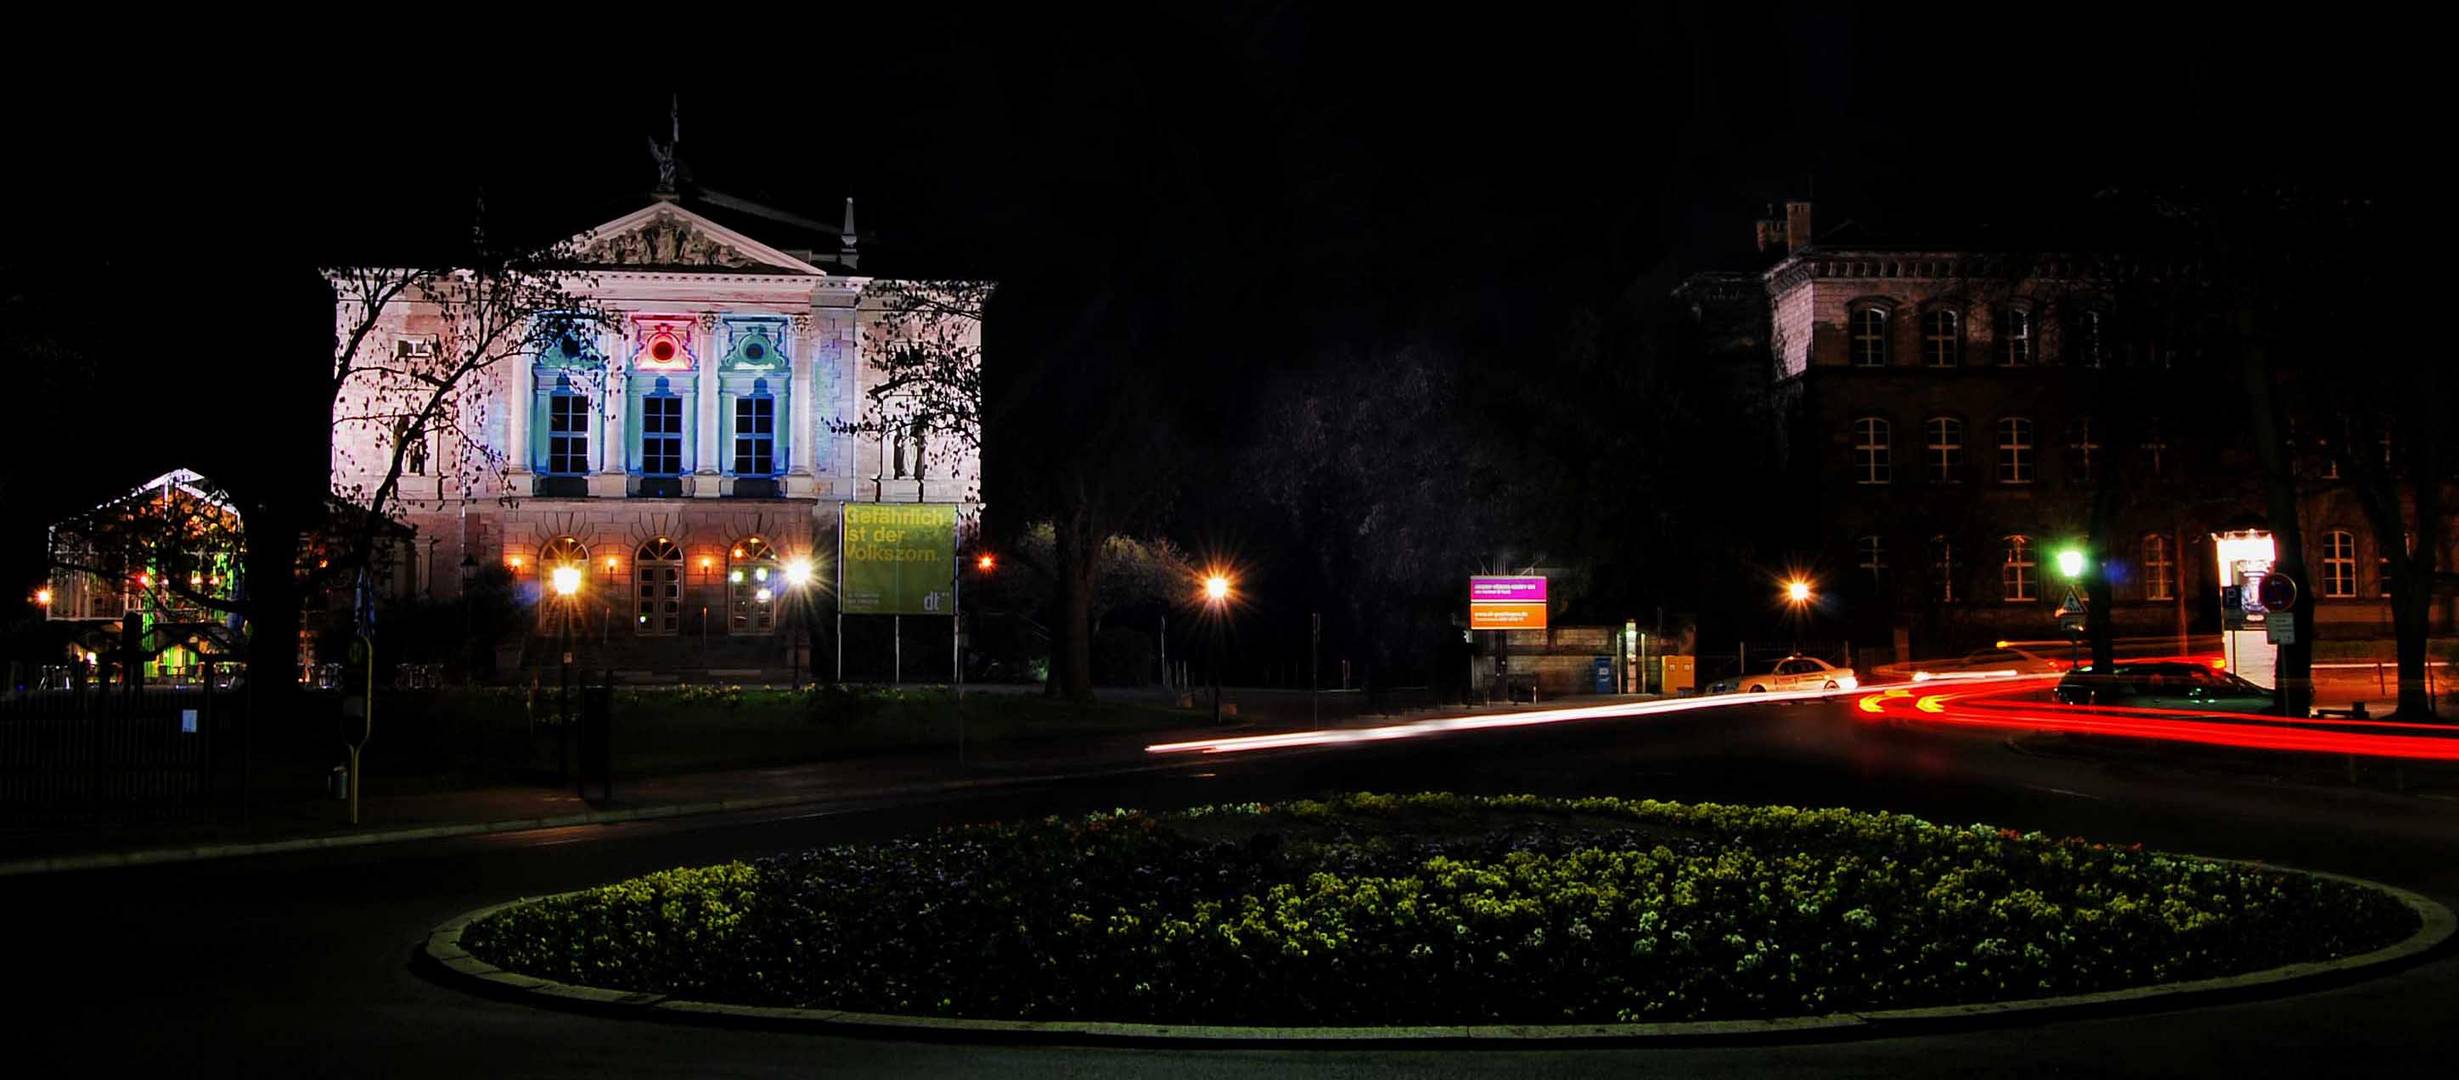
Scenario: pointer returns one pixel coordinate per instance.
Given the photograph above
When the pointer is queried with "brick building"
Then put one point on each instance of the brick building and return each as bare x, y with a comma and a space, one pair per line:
1947, 418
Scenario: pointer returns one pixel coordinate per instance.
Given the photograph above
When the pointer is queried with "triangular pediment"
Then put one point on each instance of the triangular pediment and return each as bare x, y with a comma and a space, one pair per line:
664, 236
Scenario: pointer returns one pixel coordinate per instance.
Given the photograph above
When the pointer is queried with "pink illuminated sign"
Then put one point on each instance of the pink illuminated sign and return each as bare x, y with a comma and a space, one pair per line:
1507, 590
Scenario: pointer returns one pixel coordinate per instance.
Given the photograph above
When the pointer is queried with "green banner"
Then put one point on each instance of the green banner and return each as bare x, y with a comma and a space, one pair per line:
897, 559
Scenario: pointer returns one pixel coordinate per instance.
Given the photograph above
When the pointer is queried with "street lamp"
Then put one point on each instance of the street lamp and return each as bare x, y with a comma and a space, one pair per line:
1216, 602
798, 577
2070, 563
2070, 567
565, 579
1798, 595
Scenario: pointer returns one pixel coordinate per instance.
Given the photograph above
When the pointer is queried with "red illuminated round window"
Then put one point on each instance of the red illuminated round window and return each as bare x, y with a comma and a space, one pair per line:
754, 351
662, 351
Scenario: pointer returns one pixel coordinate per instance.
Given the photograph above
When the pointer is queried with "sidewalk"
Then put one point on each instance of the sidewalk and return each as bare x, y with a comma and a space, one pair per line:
398, 817
2337, 685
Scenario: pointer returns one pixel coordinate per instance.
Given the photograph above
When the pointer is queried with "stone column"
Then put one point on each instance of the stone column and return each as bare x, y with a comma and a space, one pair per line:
858, 458
802, 440
613, 470
519, 395
706, 482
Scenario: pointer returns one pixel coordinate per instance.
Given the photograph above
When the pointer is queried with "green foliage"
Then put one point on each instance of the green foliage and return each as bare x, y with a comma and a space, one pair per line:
1439, 908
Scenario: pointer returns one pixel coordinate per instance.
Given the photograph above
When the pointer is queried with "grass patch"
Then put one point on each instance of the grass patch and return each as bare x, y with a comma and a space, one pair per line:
1437, 909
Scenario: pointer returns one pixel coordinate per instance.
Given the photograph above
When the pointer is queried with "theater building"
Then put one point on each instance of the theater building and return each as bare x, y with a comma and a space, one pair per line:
680, 454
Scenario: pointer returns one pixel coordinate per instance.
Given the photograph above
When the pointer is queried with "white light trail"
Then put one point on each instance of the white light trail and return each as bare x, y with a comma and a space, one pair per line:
1441, 725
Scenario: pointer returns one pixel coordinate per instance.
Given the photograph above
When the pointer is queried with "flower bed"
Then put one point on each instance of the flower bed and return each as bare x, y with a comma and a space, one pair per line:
1427, 909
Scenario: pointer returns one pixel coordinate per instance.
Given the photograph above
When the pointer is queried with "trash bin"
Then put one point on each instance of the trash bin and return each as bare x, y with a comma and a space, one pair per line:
338, 782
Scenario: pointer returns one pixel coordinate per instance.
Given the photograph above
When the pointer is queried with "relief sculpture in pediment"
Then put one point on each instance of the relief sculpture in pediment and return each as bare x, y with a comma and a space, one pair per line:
665, 242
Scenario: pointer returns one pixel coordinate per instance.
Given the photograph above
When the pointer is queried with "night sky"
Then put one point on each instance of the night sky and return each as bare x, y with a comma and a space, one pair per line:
1326, 174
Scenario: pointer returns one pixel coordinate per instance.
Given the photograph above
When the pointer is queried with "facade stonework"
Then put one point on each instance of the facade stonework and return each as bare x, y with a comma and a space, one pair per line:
688, 447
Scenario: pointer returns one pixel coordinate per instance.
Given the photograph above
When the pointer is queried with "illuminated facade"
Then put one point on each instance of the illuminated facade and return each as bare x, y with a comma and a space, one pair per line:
677, 455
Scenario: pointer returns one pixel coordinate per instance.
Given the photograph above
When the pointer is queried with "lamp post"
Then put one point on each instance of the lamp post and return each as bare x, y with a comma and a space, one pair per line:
1216, 606
2070, 568
798, 577
566, 581
1798, 595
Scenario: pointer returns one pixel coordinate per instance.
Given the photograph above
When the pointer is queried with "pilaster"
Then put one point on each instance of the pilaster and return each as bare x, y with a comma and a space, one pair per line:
519, 395
802, 438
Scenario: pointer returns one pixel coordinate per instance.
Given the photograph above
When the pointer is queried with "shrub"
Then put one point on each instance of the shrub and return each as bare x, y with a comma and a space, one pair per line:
1438, 908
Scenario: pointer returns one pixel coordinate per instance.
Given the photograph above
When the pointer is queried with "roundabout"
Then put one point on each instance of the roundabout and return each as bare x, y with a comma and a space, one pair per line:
1364, 920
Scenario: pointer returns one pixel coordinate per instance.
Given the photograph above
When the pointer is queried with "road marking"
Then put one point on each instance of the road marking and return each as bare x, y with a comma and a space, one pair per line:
2063, 791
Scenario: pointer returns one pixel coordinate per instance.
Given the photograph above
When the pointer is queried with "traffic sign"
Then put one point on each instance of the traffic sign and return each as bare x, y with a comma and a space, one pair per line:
2277, 591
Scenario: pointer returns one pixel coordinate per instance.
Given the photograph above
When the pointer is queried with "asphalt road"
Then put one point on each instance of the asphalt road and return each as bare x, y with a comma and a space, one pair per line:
299, 965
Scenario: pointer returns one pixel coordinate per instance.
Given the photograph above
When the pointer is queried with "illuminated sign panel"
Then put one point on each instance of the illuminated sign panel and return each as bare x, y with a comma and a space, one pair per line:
2244, 558
1507, 603
897, 559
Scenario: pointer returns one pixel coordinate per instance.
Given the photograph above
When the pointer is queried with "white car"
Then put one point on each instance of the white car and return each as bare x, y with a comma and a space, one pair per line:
1791, 673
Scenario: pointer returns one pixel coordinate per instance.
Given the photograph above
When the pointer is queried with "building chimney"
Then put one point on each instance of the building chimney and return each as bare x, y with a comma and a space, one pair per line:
1796, 225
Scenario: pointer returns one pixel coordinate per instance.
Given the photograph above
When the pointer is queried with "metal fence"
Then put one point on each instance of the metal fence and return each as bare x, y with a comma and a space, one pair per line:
1757, 656
108, 751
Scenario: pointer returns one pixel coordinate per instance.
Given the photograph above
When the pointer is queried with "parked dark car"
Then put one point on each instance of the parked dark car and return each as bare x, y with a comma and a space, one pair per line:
2164, 685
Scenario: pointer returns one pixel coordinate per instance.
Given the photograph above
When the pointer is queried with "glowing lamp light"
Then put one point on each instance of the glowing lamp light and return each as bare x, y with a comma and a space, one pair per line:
610, 564
734, 577
1797, 591
196, 581
1216, 588
759, 573
798, 573
513, 561
986, 563
42, 596
707, 562
762, 596
567, 580
2070, 563
146, 580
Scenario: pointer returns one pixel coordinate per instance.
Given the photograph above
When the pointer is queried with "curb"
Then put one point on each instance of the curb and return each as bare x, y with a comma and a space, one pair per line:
153, 856
442, 955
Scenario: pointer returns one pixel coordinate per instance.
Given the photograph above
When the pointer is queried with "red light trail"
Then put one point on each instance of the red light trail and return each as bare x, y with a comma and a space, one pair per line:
1987, 706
